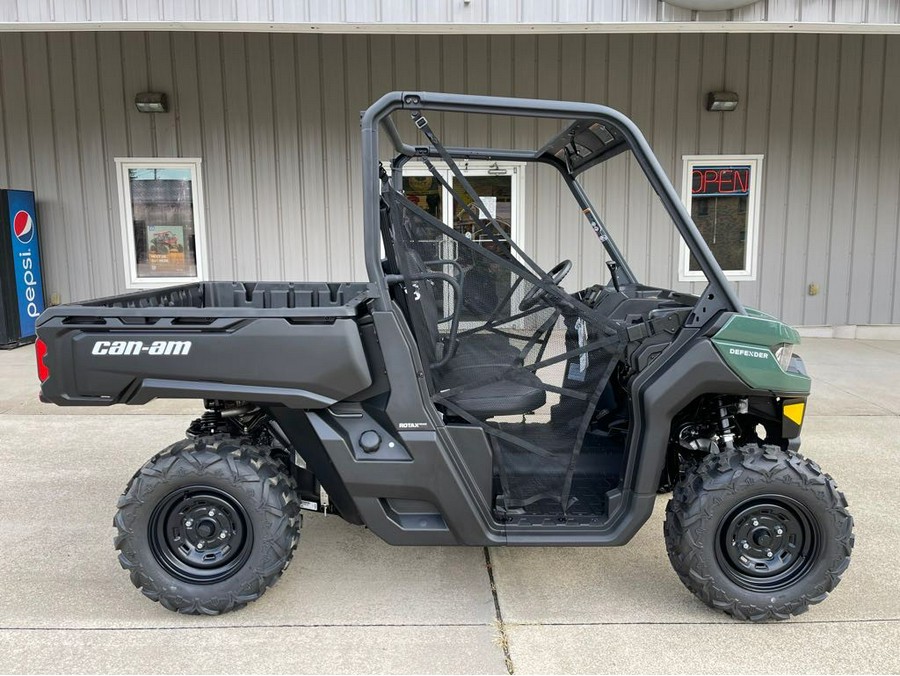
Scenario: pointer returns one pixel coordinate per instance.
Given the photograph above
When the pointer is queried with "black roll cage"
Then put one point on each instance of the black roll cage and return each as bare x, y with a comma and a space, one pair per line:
625, 136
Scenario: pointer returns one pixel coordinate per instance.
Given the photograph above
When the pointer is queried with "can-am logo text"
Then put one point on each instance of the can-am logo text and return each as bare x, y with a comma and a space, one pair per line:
116, 348
23, 226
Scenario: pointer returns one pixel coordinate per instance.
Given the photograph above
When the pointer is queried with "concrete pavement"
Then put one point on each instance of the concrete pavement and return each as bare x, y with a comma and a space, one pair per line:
350, 603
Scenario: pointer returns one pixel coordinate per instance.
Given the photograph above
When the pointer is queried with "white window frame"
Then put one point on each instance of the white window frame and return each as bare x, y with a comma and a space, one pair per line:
123, 166
755, 162
480, 168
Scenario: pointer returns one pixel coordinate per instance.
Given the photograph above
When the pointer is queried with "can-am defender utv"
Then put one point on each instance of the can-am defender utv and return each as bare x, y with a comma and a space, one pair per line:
462, 396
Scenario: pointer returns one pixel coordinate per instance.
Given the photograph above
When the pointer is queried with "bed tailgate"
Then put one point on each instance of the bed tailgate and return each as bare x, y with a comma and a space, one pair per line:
102, 357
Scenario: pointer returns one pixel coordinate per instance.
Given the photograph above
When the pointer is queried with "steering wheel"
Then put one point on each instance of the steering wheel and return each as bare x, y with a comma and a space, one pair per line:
537, 293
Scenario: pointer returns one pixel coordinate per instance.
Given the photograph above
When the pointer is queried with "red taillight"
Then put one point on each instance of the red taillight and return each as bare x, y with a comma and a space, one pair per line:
40, 349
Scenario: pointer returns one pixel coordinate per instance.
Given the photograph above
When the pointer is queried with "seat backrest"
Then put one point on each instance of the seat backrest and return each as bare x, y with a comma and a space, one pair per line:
423, 307
417, 297
387, 238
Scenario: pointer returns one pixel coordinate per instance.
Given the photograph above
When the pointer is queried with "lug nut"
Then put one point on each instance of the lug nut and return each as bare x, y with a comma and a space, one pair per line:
189, 523
223, 535
755, 522
212, 512
745, 545
779, 531
769, 555
200, 545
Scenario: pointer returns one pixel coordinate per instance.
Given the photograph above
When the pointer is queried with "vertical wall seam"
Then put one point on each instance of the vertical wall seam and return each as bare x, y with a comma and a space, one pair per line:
722, 85
210, 234
123, 102
677, 167
812, 164
54, 145
228, 175
489, 57
896, 219
790, 164
881, 155
348, 164
747, 61
417, 65
834, 160
277, 161
760, 241
855, 179
300, 155
173, 70
648, 220
113, 216
81, 188
30, 131
761, 223
148, 70
465, 75
323, 117
512, 80
3, 129
251, 150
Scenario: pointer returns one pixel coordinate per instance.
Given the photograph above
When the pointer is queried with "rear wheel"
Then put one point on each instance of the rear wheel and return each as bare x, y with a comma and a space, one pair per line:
758, 532
208, 525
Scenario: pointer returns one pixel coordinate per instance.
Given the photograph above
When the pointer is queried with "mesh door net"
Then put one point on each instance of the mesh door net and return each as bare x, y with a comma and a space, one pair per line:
534, 374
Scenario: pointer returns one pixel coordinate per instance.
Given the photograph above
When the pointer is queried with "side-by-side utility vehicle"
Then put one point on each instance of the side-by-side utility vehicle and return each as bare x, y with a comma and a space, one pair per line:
462, 396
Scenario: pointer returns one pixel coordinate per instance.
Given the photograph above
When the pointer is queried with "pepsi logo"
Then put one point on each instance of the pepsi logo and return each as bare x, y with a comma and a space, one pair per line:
23, 227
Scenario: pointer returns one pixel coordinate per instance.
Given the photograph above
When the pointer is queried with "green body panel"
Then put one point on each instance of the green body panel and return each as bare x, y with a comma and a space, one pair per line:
747, 343
753, 312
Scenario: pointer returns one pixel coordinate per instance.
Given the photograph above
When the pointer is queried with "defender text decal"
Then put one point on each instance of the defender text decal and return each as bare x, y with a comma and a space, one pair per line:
759, 354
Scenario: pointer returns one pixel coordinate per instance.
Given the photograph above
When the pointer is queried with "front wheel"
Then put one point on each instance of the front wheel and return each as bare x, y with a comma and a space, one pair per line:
758, 532
207, 525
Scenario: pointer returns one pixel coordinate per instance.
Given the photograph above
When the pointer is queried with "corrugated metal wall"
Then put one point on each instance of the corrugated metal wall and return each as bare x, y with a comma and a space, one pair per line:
275, 119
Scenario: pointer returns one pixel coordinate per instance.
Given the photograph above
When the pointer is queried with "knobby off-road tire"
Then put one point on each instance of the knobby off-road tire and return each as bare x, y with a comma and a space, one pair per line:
758, 533
207, 525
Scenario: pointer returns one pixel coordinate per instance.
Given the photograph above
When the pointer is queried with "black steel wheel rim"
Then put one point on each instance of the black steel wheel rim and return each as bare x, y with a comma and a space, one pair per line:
767, 543
200, 534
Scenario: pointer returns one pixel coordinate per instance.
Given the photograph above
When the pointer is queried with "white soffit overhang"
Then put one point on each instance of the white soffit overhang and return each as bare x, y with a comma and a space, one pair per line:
459, 28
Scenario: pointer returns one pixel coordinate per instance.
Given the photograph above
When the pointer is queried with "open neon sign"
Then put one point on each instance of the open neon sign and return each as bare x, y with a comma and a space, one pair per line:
720, 181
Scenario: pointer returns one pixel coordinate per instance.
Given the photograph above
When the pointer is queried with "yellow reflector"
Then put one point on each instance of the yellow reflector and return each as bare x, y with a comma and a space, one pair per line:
794, 412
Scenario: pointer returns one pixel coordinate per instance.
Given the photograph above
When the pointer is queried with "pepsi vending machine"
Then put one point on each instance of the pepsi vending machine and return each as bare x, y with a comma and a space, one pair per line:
21, 290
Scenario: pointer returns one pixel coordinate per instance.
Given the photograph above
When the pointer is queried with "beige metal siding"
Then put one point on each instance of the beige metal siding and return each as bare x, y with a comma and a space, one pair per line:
275, 119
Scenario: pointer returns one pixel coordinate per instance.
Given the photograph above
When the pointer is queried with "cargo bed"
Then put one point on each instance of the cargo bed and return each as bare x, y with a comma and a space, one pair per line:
298, 344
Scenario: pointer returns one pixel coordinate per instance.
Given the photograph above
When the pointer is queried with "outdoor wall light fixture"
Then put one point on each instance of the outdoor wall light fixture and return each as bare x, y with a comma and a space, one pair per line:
151, 102
721, 102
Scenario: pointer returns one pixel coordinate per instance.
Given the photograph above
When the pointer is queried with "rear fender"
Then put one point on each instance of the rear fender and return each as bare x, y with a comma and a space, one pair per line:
307, 443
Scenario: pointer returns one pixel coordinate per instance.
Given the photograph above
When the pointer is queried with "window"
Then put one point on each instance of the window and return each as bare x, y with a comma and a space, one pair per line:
499, 187
721, 192
160, 202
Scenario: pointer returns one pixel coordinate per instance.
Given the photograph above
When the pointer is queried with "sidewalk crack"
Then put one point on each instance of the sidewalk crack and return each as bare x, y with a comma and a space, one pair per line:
502, 638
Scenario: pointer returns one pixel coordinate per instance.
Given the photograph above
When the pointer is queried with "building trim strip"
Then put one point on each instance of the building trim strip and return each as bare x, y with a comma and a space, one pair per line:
458, 28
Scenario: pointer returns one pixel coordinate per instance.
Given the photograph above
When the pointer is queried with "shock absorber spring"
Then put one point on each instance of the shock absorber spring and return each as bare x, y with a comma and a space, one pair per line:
208, 423
726, 425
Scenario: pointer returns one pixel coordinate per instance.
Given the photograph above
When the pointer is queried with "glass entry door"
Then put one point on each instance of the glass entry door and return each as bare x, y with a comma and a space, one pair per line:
497, 185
